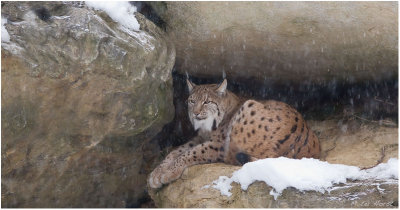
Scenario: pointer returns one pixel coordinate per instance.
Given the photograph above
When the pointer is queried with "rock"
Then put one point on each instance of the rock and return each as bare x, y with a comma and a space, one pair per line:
280, 42
356, 143
81, 98
365, 146
190, 192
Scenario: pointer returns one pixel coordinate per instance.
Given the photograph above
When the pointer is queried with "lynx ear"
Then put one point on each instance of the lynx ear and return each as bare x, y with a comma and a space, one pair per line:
190, 85
222, 87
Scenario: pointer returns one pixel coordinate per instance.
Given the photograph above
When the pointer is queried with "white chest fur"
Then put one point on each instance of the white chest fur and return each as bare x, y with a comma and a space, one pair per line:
205, 124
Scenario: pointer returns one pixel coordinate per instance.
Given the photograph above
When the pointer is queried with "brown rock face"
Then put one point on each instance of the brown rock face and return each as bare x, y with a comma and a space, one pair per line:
356, 143
81, 98
285, 41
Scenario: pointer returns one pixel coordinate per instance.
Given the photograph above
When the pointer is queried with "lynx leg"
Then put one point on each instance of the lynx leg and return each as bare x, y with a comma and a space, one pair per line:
170, 159
183, 148
208, 152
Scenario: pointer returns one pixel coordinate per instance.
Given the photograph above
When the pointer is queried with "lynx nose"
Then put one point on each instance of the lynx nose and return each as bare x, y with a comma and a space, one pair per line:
200, 115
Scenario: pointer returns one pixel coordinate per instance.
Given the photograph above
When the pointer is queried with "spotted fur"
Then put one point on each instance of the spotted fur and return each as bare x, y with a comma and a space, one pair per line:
235, 131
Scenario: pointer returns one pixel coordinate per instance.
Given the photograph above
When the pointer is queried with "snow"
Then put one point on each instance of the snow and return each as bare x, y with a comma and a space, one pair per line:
123, 13
60, 17
120, 11
305, 174
5, 37
223, 184
383, 171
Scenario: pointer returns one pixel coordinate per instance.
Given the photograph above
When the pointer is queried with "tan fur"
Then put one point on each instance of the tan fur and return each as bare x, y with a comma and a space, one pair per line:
250, 129
271, 129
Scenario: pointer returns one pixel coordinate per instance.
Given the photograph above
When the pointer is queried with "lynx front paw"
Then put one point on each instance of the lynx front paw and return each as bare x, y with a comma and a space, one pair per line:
155, 178
163, 175
171, 175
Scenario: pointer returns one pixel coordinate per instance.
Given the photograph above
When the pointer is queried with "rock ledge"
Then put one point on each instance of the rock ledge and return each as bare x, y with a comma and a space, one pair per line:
190, 192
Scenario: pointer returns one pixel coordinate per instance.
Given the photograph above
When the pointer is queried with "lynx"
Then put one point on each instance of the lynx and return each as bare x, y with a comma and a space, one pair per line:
236, 131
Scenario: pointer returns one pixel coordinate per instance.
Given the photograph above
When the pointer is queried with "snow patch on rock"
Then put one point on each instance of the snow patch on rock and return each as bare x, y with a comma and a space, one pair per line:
5, 36
120, 11
305, 174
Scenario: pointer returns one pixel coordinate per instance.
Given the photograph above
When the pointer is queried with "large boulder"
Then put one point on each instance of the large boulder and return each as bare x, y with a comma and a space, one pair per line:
342, 142
81, 98
284, 41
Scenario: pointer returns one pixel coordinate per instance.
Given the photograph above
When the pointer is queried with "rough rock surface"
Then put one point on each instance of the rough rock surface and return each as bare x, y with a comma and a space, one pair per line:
284, 41
189, 192
81, 98
356, 142
363, 145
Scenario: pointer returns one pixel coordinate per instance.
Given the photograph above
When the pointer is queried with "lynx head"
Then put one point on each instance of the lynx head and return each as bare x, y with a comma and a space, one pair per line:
207, 105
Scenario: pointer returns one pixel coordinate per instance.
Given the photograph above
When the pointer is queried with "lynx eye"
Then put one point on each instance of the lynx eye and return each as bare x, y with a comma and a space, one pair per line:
206, 102
191, 101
